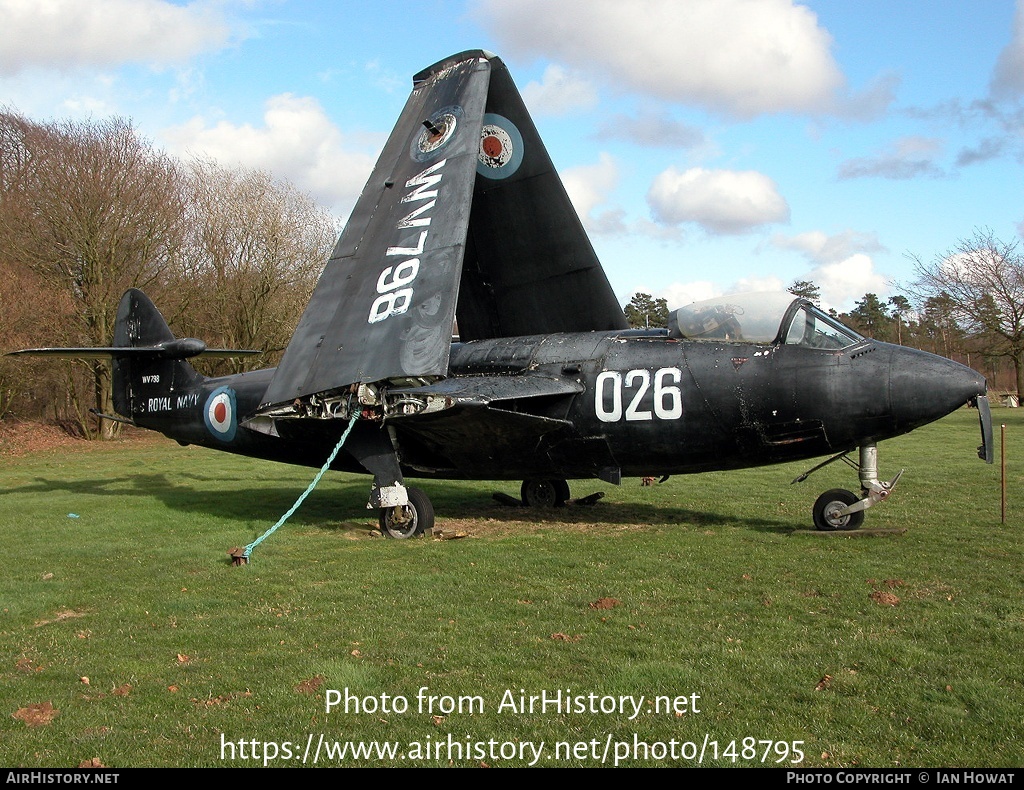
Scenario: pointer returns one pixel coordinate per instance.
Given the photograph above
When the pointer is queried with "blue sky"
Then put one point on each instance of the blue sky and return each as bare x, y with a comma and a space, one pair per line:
710, 145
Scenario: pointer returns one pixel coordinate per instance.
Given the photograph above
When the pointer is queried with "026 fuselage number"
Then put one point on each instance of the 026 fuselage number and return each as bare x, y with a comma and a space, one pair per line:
615, 390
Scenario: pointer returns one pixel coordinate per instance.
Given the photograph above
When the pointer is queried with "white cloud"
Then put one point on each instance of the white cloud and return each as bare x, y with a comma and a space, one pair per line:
720, 201
297, 141
756, 284
1008, 77
988, 148
653, 128
68, 34
589, 186
844, 272
678, 295
905, 158
742, 57
385, 79
559, 92
870, 103
822, 248
843, 282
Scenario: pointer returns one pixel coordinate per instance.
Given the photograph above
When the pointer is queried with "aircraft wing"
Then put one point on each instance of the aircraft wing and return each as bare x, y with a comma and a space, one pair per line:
495, 388
463, 215
385, 304
489, 420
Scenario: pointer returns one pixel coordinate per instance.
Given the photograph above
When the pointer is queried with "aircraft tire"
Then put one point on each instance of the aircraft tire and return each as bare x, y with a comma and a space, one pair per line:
836, 497
544, 493
420, 512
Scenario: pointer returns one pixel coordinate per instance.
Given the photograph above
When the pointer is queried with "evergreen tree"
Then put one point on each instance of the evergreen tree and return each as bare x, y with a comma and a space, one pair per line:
806, 289
870, 318
644, 311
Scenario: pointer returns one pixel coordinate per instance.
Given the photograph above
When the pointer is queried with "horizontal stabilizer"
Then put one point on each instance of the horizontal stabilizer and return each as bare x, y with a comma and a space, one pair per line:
184, 348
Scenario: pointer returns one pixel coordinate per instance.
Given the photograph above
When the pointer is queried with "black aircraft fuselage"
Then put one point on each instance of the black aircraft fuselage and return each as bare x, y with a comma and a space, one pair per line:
627, 403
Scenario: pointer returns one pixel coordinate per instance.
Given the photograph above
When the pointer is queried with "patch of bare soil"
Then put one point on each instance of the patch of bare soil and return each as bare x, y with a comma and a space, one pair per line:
489, 519
310, 685
38, 714
59, 616
883, 598
222, 699
20, 437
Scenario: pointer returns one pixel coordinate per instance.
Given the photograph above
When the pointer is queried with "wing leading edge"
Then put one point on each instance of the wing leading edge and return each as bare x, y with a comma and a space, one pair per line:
463, 215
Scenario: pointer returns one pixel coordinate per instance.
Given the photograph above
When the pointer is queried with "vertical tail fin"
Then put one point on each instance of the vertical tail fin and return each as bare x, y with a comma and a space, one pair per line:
139, 377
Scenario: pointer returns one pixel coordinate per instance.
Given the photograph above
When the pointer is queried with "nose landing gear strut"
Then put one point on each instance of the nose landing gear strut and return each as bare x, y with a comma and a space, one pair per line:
839, 509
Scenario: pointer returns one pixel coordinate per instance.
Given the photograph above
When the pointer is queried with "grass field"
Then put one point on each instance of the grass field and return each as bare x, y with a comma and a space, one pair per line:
902, 650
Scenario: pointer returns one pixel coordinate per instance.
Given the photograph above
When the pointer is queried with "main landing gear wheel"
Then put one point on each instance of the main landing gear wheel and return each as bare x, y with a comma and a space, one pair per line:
408, 520
827, 507
544, 493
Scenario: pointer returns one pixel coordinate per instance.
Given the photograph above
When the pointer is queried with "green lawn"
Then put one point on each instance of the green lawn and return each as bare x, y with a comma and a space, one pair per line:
905, 649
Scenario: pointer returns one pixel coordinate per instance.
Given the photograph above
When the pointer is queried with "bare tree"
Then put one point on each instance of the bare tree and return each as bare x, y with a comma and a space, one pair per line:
92, 209
30, 315
981, 280
256, 248
88, 210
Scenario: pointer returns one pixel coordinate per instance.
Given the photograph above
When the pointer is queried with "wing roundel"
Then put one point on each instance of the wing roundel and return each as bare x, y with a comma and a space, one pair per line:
385, 304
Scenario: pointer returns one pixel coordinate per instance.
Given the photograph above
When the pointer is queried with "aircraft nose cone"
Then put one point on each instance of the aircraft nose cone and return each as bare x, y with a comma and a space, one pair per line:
924, 387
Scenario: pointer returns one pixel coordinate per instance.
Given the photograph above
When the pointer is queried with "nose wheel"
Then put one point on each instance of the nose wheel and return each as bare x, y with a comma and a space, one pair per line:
829, 507
839, 509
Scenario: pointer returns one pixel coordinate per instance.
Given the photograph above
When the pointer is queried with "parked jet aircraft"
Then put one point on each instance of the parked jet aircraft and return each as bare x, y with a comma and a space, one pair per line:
465, 217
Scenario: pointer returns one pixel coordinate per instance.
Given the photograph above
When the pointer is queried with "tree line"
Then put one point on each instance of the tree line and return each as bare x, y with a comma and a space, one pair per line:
90, 209
966, 304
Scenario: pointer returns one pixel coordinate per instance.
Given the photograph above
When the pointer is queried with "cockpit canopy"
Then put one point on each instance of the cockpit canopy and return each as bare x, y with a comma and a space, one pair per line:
775, 317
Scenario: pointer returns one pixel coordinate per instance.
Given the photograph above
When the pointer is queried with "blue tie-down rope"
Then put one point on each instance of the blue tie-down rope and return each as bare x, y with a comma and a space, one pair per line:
307, 492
